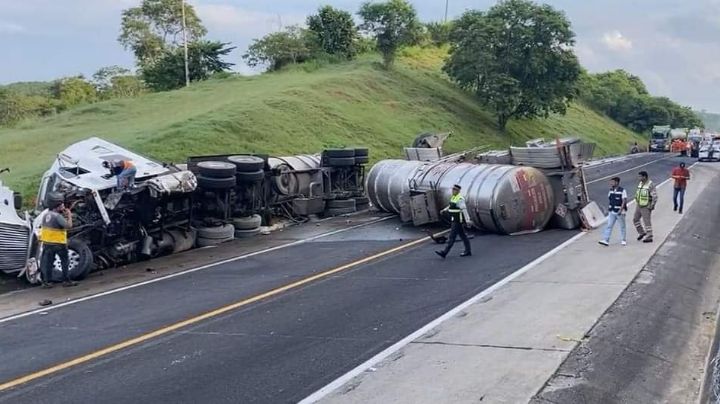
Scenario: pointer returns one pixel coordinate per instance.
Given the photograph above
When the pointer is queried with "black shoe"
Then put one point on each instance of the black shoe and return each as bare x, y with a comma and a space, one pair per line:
46, 285
675, 209
680, 211
642, 236
648, 240
466, 254
69, 284
442, 254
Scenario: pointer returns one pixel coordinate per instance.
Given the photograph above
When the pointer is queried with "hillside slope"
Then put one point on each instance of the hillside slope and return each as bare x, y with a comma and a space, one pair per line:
295, 111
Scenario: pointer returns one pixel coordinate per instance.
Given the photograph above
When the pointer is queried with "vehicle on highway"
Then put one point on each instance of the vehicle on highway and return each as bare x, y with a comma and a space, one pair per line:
709, 150
110, 228
694, 138
660, 139
171, 208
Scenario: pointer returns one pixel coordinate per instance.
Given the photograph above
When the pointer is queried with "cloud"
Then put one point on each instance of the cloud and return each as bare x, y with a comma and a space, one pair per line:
7, 27
615, 41
240, 21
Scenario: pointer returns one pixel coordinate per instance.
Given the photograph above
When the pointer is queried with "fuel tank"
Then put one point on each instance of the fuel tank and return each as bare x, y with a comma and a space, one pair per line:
502, 199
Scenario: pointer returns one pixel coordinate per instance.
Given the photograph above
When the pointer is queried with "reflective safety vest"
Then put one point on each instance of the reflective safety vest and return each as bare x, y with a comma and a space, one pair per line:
616, 199
53, 236
454, 201
642, 197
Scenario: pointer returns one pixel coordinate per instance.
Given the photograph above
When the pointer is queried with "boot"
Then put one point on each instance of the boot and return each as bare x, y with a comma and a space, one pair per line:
466, 254
442, 254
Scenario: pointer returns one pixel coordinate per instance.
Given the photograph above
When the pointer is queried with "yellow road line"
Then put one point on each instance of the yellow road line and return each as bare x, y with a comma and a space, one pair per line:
214, 313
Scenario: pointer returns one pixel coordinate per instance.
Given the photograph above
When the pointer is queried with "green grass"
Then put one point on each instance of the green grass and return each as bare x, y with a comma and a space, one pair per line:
304, 109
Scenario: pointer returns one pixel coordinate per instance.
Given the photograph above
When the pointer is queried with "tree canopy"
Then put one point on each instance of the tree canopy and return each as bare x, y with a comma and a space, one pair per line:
333, 32
393, 23
517, 58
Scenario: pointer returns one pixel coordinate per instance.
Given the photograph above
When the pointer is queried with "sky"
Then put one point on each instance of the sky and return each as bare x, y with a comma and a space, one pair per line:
673, 45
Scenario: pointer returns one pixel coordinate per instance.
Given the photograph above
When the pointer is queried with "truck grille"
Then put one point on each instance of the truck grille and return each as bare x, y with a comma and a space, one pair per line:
14, 242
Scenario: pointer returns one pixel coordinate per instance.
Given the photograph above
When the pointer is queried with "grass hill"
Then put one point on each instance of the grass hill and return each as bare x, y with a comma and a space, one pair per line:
301, 110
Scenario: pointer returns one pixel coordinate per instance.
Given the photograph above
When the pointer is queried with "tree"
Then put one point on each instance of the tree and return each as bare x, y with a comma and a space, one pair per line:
155, 27
279, 49
516, 58
333, 31
439, 32
116, 82
394, 24
72, 91
103, 77
16, 107
205, 58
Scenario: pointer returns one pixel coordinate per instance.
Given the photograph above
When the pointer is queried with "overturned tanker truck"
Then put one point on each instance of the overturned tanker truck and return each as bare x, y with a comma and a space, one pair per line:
173, 207
516, 191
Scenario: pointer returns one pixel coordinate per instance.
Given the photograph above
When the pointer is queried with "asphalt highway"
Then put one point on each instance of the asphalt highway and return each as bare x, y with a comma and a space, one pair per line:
272, 328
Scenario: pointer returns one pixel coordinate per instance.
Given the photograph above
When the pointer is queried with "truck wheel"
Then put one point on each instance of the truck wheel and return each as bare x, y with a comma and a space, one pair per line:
216, 183
247, 233
247, 223
341, 161
250, 177
80, 260
339, 153
247, 164
216, 233
216, 169
362, 160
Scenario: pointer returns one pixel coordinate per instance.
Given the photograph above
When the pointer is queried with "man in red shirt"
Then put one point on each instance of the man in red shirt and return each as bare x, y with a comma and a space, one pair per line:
681, 175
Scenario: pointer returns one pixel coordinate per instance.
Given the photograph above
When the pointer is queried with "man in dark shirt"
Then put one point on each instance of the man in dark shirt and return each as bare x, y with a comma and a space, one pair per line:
680, 175
53, 236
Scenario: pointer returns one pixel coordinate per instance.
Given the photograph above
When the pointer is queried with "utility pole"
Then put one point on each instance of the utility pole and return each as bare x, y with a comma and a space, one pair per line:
185, 45
446, 9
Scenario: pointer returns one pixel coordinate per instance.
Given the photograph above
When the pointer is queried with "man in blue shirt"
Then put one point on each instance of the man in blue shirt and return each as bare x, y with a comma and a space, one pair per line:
616, 212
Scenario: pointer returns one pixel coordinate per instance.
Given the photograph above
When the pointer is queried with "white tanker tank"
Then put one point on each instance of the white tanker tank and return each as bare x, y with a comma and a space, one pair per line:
502, 199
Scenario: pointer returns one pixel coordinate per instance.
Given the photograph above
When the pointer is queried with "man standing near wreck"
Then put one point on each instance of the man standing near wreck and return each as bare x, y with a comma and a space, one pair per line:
645, 199
53, 236
458, 213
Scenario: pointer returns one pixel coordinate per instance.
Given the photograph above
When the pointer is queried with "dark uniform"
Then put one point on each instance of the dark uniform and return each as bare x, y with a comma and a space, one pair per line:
53, 236
456, 209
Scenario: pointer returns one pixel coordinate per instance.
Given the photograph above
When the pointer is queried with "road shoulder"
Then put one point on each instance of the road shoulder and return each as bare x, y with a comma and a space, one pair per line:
504, 348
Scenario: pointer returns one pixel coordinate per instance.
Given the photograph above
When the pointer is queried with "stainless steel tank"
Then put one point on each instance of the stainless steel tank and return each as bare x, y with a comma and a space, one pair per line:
502, 199
299, 175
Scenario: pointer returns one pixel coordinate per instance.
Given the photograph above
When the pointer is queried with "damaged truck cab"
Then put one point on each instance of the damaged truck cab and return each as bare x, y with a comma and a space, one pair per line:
110, 228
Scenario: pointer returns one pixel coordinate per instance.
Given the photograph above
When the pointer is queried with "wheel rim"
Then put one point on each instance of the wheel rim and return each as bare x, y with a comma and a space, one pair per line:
73, 263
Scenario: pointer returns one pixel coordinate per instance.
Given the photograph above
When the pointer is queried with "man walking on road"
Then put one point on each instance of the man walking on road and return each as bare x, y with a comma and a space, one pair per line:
53, 235
458, 212
681, 175
616, 212
645, 199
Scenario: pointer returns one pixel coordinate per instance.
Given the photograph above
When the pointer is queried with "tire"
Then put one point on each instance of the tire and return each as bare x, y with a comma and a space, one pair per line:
210, 242
216, 183
361, 152
339, 153
362, 160
341, 204
216, 233
250, 177
247, 233
216, 169
247, 223
341, 161
81, 262
247, 164
339, 211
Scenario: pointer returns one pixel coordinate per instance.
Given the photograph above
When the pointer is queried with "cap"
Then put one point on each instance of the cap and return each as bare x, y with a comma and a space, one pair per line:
456, 186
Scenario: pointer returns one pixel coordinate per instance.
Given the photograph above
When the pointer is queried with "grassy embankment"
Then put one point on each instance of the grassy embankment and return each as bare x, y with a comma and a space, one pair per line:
298, 111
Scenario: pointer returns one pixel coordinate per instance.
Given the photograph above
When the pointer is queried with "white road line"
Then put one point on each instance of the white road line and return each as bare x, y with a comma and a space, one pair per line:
629, 169
191, 270
347, 377
323, 392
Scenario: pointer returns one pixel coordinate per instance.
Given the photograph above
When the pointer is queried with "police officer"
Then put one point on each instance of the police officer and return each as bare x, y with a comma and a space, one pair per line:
645, 198
125, 172
458, 213
53, 236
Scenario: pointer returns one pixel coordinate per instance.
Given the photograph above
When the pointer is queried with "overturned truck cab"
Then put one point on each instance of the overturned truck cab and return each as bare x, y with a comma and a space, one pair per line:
110, 227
